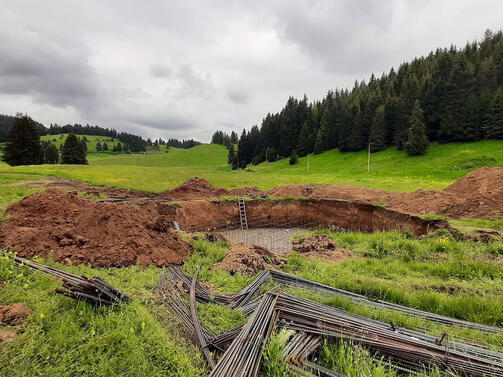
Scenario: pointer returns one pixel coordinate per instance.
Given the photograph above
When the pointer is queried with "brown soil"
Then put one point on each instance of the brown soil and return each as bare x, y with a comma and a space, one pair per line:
7, 335
72, 229
321, 246
14, 314
199, 188
247, 260
2, 284
478, 194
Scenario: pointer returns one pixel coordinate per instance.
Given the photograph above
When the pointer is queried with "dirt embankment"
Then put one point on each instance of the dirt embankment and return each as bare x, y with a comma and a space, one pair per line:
72, 229
478, 194
344, 215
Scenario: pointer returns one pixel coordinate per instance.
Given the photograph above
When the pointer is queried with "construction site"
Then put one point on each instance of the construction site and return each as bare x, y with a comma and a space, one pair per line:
115, 228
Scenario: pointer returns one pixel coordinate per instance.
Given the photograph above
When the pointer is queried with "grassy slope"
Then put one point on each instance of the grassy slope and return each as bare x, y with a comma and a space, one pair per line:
91, 141
390, 169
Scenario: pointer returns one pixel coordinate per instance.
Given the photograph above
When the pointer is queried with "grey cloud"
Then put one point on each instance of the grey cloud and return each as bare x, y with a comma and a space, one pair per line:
239, 97
160, 70
52, 74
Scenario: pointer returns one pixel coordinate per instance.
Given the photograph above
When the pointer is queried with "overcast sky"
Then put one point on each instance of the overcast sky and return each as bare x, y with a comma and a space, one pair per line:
186, 68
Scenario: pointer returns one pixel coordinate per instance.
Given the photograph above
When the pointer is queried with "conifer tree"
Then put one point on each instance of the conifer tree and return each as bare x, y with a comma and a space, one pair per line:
119, 147
23, 147
231, 156
417, 142
494, 124
73, 151
50, 152
270, 154
377, 135
306, 140
293, 158
318, 143
105, 146
98, 146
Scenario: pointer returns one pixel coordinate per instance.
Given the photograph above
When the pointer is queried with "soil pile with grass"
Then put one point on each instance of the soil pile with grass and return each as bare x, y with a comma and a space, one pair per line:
12, 315
195, 188
321, 246
71, 229
248, 260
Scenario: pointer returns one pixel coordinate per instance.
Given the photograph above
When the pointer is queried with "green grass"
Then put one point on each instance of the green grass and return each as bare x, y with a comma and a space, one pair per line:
67, 338
390, 169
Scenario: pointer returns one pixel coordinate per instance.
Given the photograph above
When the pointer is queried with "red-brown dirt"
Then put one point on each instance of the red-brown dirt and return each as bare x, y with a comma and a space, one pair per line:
14, 314
72, 229
247, 260
478, 194
199, 188
321, 246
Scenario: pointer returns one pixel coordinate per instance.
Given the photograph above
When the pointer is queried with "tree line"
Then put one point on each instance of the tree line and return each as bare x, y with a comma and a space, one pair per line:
449, 95
25, 148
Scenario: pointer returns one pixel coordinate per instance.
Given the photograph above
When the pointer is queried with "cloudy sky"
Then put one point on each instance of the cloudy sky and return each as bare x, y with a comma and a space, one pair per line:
186, 68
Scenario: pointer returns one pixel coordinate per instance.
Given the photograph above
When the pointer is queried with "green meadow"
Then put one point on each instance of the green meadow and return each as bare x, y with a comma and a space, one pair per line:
390, 169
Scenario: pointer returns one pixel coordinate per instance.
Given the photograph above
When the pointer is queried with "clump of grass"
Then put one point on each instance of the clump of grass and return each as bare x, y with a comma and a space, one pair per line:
272, 365
91, 195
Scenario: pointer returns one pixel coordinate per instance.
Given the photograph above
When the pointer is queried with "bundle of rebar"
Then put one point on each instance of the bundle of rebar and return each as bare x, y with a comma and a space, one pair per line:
180, 311
411, 352
243, 298
286, 279
244, 355
94, 291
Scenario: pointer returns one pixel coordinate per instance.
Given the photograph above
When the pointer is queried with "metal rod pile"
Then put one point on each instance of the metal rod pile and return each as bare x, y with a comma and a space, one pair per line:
286, 279
243, 298
203, 341
407, 350
243, 357
178, 308
94, 291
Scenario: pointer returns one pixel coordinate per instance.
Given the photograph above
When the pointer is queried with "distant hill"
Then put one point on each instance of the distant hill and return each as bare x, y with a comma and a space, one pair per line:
136, 143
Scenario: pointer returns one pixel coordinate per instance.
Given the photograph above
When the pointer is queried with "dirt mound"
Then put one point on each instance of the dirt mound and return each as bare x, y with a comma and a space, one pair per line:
247, 260
15, 314
478, 194
195, 188
321, 246
72, 229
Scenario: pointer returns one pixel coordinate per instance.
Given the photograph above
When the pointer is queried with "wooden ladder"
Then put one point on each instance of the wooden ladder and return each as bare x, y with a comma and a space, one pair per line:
242, 212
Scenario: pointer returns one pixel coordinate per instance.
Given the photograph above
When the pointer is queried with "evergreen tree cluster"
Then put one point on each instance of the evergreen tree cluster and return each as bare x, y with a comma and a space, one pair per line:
450, 95
6, 123
74, 150
185, 144
78, 129
222, 138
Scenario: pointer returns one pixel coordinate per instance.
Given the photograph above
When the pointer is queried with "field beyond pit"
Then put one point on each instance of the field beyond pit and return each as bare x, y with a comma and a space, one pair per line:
390, 169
